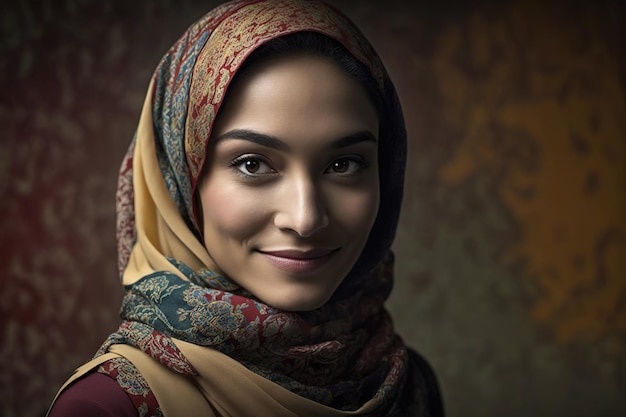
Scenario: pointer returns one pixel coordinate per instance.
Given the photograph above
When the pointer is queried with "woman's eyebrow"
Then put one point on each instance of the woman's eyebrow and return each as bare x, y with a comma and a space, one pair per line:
353, 139
254, 137
275, 143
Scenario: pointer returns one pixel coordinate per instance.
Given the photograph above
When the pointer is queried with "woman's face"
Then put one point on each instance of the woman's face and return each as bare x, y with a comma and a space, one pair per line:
291, 190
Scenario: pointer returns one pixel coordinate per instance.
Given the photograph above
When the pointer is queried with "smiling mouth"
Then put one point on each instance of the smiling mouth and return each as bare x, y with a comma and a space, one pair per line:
299, 261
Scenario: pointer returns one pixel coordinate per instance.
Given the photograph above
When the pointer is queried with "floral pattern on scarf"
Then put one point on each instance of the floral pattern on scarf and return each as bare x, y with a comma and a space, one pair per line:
136, 387
331, 355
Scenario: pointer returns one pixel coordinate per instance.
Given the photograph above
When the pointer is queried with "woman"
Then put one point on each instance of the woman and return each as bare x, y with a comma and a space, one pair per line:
256, 209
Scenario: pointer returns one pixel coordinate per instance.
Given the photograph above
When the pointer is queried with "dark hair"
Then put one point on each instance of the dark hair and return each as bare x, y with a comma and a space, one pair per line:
315, 43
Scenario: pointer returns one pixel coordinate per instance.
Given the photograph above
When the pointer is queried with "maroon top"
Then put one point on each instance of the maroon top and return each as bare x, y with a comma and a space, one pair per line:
94, 395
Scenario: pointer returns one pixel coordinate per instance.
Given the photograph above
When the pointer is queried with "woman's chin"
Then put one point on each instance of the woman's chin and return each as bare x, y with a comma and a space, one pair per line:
297, 300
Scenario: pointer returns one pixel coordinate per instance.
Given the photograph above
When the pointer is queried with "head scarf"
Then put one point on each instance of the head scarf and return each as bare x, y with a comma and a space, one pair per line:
341, 359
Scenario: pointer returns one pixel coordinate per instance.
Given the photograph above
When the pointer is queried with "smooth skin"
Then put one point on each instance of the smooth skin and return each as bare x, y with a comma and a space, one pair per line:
291, 190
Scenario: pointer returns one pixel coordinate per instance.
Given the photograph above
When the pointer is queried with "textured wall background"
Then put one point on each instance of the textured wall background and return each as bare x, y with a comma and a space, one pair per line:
512, 248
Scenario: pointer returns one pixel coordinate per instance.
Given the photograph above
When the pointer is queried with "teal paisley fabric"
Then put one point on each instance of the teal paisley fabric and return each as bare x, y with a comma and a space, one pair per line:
309, 353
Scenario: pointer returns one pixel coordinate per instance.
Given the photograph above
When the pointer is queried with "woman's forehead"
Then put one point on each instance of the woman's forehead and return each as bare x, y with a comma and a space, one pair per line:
300, 97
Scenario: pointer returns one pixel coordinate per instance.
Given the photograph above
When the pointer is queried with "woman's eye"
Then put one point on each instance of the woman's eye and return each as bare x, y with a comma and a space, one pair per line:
346, 166
252, 166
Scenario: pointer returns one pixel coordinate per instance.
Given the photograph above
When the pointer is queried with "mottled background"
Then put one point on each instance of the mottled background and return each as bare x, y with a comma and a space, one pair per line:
511, 274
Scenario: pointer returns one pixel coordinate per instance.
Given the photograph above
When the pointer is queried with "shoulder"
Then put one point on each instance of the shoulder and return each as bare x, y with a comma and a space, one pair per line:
425, 382
96, 395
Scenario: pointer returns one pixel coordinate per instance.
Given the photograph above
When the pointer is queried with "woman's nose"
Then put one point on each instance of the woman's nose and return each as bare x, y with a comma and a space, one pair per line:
301, 209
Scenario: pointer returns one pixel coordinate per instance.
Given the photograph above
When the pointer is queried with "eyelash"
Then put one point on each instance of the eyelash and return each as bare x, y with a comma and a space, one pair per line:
361, 163
236, 163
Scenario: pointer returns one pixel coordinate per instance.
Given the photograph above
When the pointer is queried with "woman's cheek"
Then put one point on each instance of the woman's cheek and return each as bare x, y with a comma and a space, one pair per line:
233, 209
356, 210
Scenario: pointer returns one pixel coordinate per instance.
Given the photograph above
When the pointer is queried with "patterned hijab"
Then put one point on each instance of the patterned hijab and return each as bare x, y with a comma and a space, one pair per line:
241, 356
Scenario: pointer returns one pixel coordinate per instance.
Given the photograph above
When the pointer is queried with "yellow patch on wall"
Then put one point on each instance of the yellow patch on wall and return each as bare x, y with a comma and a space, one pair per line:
546, 118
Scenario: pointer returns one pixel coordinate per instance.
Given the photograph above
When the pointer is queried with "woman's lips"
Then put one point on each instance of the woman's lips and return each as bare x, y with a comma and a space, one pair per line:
299, 261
